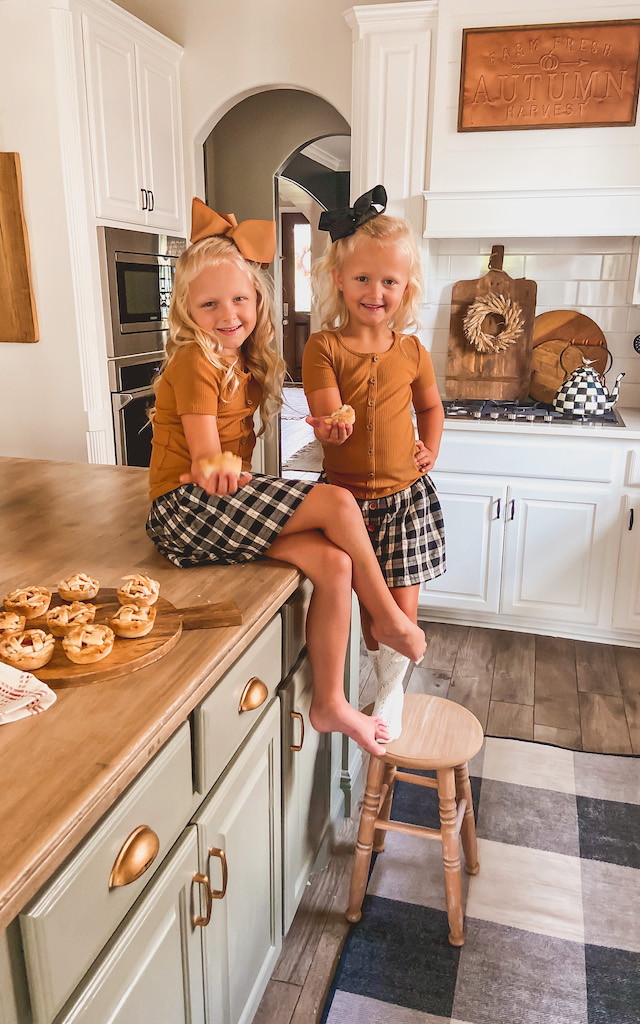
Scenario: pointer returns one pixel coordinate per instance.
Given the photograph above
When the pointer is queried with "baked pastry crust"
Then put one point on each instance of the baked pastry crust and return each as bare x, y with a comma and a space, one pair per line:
130, 621
65, 617
86, 644
224, 462
139, 590
11, 624
28, 650
78, 587
28, 601
345, 414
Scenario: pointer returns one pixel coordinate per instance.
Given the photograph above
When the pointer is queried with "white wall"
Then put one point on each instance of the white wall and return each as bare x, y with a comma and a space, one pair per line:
41, 412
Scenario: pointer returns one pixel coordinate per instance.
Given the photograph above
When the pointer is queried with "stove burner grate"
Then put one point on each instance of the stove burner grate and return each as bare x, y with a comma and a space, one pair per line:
521, 412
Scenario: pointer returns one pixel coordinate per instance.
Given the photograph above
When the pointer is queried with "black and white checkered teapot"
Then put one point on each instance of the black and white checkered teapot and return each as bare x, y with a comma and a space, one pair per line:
584, 393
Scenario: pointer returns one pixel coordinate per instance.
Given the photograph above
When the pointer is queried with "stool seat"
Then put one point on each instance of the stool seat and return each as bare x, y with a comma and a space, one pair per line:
436, 733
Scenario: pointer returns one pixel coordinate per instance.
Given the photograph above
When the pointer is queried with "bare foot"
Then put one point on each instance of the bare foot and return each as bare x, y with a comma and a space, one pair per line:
345, 719
404, 637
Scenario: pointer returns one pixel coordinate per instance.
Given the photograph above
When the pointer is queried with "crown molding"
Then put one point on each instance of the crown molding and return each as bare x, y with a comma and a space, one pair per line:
388, 16
541, 193
111, 14
315, 152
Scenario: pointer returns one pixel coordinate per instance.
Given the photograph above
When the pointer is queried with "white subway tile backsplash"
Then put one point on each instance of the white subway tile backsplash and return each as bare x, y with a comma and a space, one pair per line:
602, 293
631, 369
629, 396
620, 344
443, 267
435, 316
567, 266
615, 267
599, 244
465, 268
608, 318
633, 319
556, 294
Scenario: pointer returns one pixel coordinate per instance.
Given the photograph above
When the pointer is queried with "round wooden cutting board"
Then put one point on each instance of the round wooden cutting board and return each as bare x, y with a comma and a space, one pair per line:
126, 655
567, 325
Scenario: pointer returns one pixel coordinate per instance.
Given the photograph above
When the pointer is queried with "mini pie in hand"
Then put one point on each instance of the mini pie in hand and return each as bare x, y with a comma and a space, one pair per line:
78, 587
224, 462
65, 617
139, 590
11, 624
28, 650
345, 414
130, 621
28, 601
86, 644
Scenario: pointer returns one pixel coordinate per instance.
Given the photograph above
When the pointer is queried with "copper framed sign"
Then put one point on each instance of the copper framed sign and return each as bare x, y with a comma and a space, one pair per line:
577, 75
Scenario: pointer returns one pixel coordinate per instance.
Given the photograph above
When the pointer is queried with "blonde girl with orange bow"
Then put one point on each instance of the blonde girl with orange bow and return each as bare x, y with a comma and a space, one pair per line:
368, 289
220, 367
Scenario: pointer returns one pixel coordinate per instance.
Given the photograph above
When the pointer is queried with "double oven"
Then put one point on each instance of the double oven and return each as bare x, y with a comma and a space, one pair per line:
138, 270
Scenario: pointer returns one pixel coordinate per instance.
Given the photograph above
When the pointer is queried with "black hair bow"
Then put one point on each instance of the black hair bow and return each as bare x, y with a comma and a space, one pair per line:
342, 223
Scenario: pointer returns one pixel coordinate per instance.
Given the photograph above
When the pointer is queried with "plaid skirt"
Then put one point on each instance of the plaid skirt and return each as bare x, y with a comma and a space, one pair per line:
190, 527
407, 533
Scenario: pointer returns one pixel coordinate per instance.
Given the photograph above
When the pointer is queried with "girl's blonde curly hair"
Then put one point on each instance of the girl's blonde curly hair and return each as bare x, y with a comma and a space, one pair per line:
391, 231
261, 358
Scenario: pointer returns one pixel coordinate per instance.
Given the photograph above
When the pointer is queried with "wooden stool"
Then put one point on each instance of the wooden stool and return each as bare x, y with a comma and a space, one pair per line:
436, 734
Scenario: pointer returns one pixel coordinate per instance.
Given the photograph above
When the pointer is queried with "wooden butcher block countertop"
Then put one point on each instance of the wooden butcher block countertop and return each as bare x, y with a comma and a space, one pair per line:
61, 770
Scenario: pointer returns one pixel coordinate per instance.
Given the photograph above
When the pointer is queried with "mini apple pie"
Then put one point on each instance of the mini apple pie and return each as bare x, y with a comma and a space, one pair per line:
11, 623
345, 414
28, 650
28, 601
130, 621
86, 644
78, 587
65, 617
139, 590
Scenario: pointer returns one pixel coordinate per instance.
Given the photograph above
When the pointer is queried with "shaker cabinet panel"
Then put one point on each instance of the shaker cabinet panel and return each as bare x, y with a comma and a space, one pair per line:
161, 139
626, 613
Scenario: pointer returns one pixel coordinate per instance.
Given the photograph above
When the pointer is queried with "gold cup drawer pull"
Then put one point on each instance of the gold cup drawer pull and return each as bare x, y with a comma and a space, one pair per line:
202, 922
298, 746
137, 853
254, 694
214, 851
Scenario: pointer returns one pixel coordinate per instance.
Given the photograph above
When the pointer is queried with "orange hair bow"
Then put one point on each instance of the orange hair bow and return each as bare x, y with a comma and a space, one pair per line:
255, 239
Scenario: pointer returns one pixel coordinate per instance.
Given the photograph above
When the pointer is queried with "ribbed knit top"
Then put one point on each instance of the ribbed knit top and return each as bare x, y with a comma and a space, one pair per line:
378, 458
191, 384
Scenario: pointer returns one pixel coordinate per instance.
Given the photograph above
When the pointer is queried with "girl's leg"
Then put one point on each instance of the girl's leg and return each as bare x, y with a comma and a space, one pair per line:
406, 598
328, 620
334, 511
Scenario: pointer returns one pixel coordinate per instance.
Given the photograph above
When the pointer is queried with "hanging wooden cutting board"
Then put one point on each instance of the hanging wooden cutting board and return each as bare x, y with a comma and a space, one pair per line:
503, 376
548, 372
566, 325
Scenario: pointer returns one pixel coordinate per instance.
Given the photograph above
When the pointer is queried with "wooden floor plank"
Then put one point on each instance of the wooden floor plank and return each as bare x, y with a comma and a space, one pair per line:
428, 680
596, 668
443, 642
628, 666
277, 1004
556, 689
569, 738
473, 672
511, 720
604, 724
514, 672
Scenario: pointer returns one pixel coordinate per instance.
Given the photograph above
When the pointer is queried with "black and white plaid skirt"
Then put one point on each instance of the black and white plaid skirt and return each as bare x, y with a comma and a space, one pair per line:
407, 533
190, 527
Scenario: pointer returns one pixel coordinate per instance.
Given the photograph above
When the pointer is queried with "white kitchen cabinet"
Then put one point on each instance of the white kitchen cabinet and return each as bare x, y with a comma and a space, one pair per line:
626, 612
239, 824
306, 783
134, 128
152, 968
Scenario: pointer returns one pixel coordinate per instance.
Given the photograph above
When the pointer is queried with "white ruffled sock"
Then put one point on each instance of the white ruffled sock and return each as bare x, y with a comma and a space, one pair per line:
390, 668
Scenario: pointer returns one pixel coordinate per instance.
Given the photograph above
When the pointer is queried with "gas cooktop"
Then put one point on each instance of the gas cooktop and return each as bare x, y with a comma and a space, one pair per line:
522, 412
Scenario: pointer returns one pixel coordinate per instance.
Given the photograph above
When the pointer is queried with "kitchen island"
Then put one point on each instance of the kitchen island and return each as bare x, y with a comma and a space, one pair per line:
63, 769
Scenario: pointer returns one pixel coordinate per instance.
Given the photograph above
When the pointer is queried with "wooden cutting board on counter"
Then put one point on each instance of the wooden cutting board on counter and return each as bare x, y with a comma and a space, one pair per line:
567, 335
503, 376
128, 655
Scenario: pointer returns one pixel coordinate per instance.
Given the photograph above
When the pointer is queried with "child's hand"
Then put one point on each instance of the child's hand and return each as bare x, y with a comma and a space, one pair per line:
218, 482
424, 457
329, 433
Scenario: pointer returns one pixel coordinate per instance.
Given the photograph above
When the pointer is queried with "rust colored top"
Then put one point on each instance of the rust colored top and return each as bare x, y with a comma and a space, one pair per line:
378, 458
191, 384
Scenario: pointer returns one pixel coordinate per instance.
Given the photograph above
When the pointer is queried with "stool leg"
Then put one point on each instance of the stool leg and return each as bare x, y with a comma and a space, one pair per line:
451, 854
468, 829
385, 810
364, 845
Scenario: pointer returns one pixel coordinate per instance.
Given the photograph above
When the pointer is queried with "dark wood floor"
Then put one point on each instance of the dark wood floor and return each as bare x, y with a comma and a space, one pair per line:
568, 692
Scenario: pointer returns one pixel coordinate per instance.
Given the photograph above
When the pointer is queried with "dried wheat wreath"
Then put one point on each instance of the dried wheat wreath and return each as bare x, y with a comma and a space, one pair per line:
509, 310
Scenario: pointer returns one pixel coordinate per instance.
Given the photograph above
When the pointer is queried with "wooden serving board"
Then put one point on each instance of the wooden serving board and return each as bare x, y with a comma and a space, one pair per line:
128, 655
18, 320
548, 373
567, 325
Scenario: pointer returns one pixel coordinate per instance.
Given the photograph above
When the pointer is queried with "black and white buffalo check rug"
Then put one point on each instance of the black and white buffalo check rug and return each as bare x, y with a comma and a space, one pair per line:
552, 919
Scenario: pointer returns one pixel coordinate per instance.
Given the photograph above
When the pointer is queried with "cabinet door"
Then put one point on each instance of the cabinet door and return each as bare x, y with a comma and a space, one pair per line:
626, 613
112, 101
473, 515
555, 550
306, 782
241, 819
152, 969
161, 138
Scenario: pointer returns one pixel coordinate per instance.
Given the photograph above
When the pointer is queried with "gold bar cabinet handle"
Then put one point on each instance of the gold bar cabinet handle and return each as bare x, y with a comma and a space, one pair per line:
136, 854
298, 746
202, 922
254, 694
218, 894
